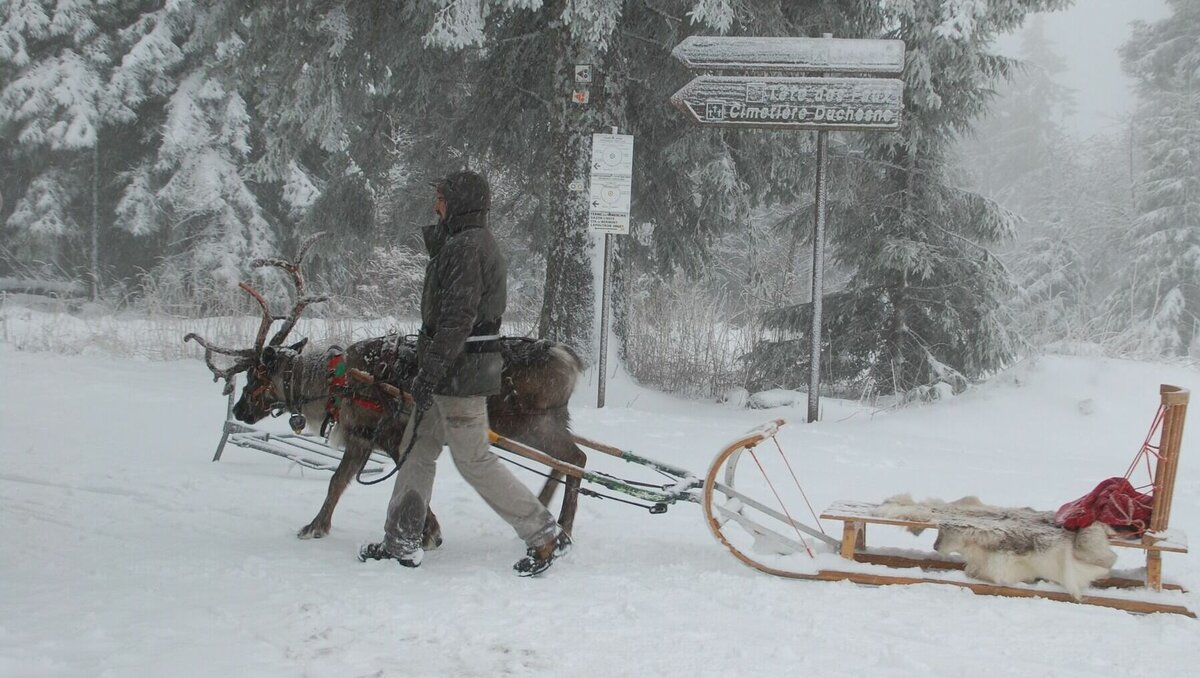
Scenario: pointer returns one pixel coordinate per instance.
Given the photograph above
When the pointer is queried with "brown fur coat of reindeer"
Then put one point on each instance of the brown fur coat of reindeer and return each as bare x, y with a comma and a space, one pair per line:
537, 382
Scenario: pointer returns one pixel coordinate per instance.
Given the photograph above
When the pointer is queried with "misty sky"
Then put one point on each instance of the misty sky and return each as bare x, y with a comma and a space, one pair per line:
1088, 36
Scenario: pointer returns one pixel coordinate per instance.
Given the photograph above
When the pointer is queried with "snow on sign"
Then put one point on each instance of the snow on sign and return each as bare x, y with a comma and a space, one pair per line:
793, 102
612, 180
826, 55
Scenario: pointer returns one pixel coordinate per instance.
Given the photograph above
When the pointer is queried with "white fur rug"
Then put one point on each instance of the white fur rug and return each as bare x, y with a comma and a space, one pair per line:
1009, 545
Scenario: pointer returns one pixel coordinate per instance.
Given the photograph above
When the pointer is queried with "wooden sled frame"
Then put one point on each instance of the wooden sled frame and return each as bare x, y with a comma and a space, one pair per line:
1159, 538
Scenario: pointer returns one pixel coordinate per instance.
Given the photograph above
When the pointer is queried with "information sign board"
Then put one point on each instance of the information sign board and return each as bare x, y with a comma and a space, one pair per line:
612, 179
784, 102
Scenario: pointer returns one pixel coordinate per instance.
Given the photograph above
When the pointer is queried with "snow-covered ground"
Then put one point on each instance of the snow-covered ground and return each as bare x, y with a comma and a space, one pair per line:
126, 552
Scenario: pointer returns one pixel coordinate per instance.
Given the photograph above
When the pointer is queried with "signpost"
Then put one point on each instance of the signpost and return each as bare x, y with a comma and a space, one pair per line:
608, 213
808, 98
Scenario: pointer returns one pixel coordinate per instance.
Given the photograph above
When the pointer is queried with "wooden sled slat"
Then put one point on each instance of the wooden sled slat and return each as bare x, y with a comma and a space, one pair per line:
939, 563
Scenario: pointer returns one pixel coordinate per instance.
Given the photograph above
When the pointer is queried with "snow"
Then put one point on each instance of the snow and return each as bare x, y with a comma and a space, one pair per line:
128, 553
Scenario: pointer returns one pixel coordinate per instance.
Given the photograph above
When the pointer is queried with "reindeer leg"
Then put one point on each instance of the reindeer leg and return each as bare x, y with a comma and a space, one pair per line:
550, 488
431, 536
353, 460
566, 516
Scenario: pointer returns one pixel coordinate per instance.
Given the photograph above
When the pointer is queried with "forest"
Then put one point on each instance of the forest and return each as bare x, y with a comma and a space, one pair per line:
151, 149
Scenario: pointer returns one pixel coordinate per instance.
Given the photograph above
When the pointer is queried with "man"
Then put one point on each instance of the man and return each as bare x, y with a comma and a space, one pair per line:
459, 365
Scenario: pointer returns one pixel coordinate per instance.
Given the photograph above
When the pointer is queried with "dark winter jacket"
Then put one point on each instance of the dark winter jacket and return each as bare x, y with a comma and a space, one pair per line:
465, 294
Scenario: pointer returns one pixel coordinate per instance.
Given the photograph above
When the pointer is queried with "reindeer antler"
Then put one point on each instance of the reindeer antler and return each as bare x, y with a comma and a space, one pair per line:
302, 301
245, 360
247, 357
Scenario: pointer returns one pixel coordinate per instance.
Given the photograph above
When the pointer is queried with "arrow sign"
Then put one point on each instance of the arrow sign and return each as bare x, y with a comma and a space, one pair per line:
830, 55
783, 102
612, 179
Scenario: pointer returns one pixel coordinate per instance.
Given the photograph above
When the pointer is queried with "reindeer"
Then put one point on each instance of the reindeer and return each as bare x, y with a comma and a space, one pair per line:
360, 415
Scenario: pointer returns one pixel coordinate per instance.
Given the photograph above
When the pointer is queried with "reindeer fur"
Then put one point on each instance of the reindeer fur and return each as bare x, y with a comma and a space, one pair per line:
537, 382
1010, 545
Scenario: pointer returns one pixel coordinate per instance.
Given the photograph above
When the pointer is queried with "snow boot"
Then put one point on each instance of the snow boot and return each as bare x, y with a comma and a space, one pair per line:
538, 559
378, 551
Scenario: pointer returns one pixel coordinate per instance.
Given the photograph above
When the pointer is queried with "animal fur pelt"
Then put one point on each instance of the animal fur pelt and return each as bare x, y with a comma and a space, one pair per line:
1010, 545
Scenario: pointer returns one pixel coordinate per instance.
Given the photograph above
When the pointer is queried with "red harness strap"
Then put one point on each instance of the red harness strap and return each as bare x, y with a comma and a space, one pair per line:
339, 385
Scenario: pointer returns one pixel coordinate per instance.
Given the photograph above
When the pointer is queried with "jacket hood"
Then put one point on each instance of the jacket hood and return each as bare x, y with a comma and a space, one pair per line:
468, 199
467, 196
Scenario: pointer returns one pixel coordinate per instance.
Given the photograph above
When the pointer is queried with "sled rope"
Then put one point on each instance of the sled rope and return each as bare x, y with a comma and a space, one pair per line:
1148, 449
780, 500
797, 480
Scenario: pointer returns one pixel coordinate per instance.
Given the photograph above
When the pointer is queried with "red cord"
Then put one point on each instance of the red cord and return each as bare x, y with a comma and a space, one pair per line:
797, 480
1148, 450
778, 499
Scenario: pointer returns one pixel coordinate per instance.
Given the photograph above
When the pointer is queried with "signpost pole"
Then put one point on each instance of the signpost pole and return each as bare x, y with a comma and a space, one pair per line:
603, 366
612, 176
818, 271
818, 274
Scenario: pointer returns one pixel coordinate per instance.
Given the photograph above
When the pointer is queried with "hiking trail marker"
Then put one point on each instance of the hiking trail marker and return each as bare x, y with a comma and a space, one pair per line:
608, 213
789, 84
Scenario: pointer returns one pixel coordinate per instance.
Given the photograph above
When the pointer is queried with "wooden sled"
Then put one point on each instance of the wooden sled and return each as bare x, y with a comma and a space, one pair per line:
771, 540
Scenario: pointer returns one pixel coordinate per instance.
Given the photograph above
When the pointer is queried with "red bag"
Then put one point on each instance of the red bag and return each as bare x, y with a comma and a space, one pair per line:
1114, 502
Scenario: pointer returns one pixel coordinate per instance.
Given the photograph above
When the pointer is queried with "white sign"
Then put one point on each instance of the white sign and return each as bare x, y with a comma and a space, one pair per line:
828, 55
583, 74
612, 154
616, 223
793, 103
612, 183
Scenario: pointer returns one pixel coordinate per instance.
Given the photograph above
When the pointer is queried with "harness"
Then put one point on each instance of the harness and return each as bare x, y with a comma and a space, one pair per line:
340, 392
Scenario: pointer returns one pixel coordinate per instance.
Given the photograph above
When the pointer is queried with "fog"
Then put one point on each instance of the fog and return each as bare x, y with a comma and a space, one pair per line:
1088, 36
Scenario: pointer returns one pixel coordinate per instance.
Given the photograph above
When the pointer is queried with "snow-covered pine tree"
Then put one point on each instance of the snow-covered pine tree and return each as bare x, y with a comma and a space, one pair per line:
1159, 296
53, 60
189, 189
1021, 156
353, 90
925, 296
217, 224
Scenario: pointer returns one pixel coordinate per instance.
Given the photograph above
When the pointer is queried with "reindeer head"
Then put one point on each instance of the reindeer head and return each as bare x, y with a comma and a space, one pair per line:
267, 365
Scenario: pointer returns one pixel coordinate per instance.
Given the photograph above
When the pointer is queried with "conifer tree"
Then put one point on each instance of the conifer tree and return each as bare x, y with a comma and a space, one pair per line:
1159, 297
54, 61
923, 304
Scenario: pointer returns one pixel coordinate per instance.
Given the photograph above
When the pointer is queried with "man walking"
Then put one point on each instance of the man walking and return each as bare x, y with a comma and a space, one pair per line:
459, 365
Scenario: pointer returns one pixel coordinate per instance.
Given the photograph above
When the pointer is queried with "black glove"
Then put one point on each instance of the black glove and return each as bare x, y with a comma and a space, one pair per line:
422, 393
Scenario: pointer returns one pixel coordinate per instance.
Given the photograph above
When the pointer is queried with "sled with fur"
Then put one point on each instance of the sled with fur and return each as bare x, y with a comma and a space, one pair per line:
1141, 592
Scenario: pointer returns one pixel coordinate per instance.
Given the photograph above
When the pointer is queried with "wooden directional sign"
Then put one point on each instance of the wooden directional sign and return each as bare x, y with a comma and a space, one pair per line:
826, 55
781, 102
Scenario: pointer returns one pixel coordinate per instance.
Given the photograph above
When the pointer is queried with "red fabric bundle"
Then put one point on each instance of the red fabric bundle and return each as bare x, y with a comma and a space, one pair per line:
1114, 502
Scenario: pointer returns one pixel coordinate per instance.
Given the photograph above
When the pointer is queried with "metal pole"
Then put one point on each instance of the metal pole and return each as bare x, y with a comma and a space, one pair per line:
818, 272
603, 366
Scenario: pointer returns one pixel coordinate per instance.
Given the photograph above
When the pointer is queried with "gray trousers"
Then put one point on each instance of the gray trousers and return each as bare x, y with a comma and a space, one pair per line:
461, 423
